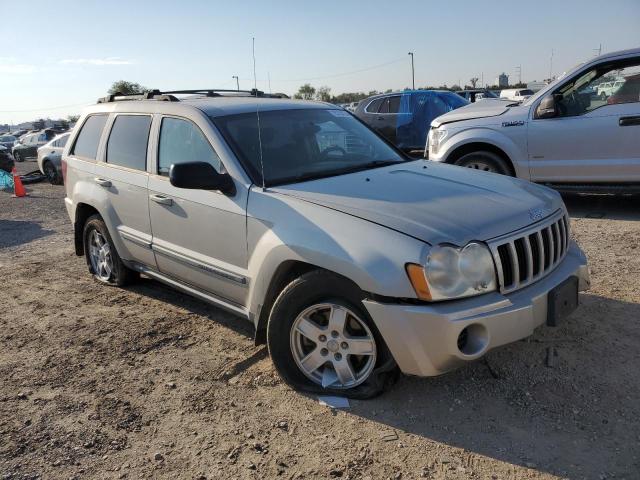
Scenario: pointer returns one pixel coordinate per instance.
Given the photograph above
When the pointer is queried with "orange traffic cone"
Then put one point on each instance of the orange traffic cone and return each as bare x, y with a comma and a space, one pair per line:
18, 188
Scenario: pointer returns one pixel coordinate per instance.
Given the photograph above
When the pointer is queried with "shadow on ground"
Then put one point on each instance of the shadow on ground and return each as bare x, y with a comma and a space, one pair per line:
611, 207
517, 409
19, 232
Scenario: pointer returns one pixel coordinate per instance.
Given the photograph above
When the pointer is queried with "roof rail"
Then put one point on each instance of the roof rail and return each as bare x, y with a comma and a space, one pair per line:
168, 96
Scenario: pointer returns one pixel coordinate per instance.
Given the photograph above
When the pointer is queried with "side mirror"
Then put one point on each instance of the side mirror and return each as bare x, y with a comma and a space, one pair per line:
547, 108
200, 176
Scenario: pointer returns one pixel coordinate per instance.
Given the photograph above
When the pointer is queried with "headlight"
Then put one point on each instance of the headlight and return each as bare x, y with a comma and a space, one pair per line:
436, 136
451, 272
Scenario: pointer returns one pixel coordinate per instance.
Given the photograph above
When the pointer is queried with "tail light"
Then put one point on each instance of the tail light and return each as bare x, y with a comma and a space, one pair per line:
64, 170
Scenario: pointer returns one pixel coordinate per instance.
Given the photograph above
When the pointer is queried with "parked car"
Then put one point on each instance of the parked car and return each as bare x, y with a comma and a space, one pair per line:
628, 92
350, 265
561, 135
473, 96
516, 94
18, 133
27, 146
352, 106
403, 118
607, 89
7, 141
49, 158
6, 161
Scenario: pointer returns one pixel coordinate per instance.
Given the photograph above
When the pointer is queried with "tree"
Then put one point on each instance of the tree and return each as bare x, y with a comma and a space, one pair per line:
72, 118
126, 88
305, 92
323, 94
474, 82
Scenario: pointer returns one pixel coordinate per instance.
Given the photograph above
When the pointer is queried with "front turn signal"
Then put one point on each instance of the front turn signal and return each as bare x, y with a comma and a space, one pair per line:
418, 281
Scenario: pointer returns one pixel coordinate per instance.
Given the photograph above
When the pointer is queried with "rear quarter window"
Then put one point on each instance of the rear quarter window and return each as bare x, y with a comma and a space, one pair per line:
86, 145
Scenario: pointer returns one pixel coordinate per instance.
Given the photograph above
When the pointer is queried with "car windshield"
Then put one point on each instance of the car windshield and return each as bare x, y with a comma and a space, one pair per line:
304, 144
7, 138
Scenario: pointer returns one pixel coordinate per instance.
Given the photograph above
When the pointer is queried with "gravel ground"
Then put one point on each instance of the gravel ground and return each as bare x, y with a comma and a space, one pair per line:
145, 382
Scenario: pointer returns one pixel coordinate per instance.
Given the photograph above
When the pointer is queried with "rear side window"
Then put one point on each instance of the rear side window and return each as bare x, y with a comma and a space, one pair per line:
394, 104
375, 105
87, 143
180, 142
127, 145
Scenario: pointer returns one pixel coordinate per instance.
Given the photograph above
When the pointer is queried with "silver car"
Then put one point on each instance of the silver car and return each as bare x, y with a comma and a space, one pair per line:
352, 261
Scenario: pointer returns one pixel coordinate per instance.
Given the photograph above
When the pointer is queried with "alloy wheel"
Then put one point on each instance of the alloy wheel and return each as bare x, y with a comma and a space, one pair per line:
333, 346
100, 256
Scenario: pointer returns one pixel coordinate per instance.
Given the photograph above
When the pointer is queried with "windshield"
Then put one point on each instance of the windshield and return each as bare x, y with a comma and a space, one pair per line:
7, 138
304, 144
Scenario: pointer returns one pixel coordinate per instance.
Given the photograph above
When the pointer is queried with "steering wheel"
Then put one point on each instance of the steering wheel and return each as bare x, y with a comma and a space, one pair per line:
334, 148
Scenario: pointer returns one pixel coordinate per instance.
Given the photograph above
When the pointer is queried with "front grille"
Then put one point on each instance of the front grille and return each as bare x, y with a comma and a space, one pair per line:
528, 255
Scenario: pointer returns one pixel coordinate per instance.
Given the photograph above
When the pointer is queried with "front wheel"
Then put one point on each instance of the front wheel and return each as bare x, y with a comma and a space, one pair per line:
17, 157
322, 340
102, 258
603, 96
485, 161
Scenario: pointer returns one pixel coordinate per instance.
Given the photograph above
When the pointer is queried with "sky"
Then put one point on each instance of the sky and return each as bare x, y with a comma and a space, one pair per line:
58, 56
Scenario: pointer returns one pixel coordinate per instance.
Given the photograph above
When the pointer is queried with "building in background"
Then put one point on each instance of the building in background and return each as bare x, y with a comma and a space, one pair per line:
503, 80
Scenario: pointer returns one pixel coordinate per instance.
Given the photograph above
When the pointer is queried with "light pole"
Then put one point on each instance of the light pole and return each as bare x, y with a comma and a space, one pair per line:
519, 72
413, 74
237, 82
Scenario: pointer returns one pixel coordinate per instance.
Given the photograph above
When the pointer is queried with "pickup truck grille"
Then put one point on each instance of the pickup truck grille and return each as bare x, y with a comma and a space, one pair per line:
528, 255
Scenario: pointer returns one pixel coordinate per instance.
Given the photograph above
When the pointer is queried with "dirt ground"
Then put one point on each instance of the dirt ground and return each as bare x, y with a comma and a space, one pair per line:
145, 382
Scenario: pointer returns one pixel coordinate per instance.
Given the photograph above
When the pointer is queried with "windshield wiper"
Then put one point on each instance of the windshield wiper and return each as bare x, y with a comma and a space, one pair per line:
331, 173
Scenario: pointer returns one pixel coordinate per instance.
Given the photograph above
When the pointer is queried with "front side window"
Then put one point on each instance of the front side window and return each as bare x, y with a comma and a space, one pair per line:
127, 145
303, 144
180, 142
86, 145
605, 84
62, 141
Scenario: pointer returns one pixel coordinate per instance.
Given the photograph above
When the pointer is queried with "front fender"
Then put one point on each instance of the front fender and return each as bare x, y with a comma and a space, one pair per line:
282, 228
509, 144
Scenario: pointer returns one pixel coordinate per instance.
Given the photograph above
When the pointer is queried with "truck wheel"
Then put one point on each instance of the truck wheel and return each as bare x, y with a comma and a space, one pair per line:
102, 258
322, 340
485, 161
51, 172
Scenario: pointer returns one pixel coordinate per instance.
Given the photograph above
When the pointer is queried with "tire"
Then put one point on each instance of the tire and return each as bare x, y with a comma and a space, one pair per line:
17, 157
485, 161
603, 96
322, 293
51, 172
112, 271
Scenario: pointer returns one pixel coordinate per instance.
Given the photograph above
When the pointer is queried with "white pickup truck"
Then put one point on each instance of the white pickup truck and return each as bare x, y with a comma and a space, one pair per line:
564, 135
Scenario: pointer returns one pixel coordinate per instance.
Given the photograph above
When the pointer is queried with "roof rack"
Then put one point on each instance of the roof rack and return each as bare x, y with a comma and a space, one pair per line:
169, 95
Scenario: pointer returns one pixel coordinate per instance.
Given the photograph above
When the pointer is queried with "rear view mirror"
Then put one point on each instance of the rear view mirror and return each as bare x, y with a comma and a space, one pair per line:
547, 108
200, 176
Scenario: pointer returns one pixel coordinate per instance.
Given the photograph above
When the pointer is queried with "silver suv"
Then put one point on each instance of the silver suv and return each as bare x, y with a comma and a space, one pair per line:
352, 261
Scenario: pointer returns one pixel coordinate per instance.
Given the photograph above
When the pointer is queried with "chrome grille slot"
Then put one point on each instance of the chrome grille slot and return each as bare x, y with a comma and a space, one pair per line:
526, 256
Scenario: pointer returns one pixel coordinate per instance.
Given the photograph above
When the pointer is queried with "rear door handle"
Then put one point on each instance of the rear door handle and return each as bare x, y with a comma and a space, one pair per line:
628, 121
161, 199
102, 182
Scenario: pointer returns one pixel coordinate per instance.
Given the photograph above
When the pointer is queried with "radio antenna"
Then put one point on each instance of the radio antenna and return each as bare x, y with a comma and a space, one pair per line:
255, 89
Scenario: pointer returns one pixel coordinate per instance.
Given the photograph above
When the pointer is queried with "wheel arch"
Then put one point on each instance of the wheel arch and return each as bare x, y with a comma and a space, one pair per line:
284, 274
83, 212
466, 148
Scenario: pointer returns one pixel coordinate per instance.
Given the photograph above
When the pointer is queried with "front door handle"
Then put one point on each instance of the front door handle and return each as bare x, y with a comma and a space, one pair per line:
102, 182
161, 199
628, 121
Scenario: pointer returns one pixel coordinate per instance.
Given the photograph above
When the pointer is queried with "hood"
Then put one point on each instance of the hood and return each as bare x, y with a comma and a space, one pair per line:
490, 107
435, 203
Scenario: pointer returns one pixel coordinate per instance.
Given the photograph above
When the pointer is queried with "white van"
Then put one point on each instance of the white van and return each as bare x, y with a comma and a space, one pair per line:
517, 94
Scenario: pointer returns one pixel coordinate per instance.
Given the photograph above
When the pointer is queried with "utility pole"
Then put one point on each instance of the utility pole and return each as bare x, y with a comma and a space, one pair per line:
269, 78
599, 50
551, 65
237, 82
519, 72
413, 74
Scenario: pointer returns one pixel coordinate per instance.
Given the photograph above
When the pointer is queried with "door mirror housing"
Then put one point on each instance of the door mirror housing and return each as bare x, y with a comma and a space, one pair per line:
548, 107
200, 176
